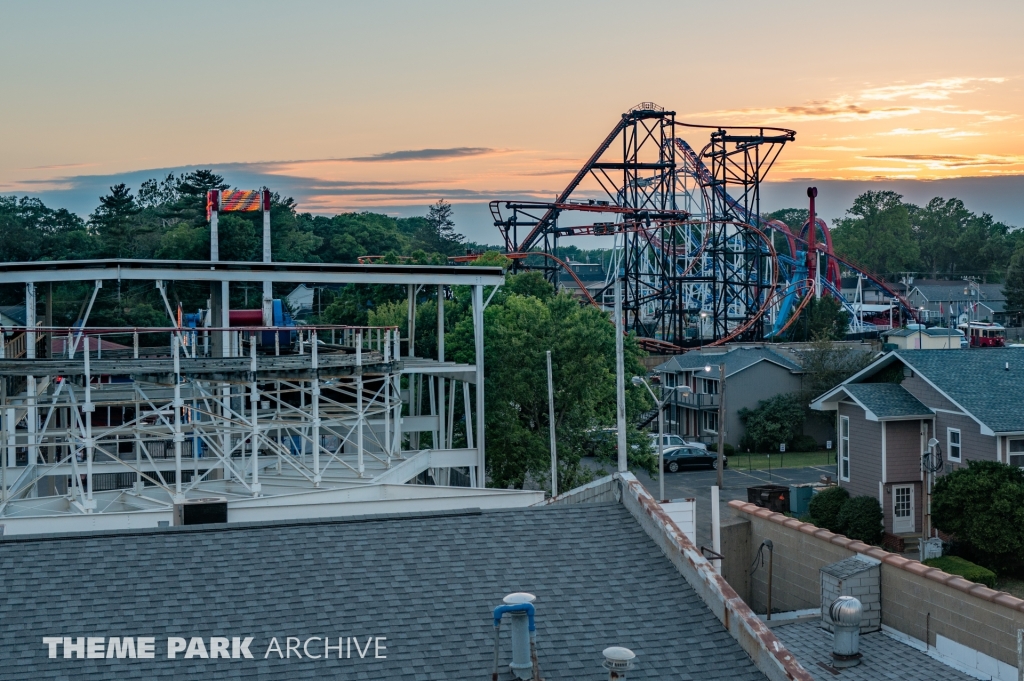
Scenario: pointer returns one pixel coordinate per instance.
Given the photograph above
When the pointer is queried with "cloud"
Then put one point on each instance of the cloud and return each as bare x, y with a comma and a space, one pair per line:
929, 90
917, 131
944, 161
860, 106
424, 155
61, 166
833, 148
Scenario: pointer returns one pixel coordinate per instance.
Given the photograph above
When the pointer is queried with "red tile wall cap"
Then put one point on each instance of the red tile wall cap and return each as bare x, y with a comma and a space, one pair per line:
822, 533
877, 553
793, 523
915, 567
1007, 600
961, 584
807, 528
858, 546
840, 540
983, 592
899, 561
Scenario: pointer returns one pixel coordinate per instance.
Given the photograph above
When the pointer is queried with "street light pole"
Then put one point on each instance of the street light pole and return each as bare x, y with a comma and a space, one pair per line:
721, 419
660, 406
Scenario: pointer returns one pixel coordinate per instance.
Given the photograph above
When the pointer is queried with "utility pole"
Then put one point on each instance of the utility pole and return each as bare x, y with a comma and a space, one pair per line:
721, 420
620, 377
551, 421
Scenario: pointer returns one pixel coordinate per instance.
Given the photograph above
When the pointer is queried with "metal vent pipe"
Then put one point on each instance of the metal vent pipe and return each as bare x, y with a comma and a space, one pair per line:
846, 612
519, 606
618, 661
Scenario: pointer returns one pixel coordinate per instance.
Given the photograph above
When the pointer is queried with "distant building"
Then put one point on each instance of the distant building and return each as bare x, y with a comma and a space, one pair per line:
969, 301
935, 338
591, 274
752, 375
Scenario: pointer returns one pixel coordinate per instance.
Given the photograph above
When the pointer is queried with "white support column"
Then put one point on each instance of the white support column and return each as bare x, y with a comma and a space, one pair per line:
478, 337
32, 412
386, 390
254, 396
268, 290
316, 411
359, 403
177, 404
90, 446
620, 381
441, 422
440, 323
225, 320
412, 319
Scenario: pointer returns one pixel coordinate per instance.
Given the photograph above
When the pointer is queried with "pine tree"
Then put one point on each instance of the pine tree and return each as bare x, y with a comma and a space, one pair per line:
114, 222
438, 235
1014, 287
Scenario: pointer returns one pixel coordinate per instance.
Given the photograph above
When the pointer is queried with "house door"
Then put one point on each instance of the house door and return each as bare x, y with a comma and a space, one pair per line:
902, 509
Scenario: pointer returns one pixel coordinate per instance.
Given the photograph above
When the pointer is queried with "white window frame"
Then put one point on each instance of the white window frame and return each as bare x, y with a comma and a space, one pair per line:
950, 445
706, 417
844, 449
1010, 452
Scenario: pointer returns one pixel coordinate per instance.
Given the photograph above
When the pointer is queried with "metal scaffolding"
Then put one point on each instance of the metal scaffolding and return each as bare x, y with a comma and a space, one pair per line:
127, 421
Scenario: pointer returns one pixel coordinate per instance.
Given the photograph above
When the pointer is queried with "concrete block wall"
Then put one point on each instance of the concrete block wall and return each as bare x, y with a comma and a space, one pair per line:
917, 600
865, 586
602, 489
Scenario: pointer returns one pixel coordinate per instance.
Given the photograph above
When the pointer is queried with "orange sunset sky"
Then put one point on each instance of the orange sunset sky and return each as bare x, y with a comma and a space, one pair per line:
357, 105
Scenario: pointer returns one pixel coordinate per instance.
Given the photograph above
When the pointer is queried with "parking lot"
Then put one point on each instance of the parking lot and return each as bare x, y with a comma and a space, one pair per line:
697, 484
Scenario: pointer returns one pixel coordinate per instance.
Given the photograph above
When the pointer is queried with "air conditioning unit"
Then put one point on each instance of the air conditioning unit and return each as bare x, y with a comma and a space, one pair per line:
202, 511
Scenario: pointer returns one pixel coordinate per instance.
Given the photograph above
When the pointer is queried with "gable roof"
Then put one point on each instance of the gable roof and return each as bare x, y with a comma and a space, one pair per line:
887, 400
987, 383
15, 312
939, 290
735, 360
426, 582
931, 331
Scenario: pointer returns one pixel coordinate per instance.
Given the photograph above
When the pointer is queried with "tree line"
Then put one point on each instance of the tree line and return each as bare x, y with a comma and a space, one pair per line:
940, 240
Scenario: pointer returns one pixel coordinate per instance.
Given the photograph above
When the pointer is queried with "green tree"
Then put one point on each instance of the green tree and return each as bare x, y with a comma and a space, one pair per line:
1013, 289
822, 318
827, 364
437, 234
982, 505
114, 222
518, 330
877, 233
774, 421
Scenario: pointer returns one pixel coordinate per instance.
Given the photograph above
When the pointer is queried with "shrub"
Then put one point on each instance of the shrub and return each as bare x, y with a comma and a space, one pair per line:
825, 506
774, 421
728, 448
955, 565
861, 518
804, 443
983, 506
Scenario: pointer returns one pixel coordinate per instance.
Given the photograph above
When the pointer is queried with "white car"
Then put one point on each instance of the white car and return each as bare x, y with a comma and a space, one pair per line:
675, 441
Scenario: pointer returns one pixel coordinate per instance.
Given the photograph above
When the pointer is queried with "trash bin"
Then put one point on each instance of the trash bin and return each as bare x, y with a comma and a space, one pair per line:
772, 497
800, 499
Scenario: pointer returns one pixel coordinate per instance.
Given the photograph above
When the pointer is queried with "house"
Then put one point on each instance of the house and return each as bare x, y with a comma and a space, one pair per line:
887, 413
935, 338
12, 315
592, 275
968, 300
420, 586
752, 374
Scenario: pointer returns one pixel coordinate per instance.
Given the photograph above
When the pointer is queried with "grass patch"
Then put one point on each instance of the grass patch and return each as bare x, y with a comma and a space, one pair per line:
742, 461
956, 565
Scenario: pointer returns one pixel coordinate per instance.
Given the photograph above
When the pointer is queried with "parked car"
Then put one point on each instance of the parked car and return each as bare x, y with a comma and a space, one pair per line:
674, 441
678, 458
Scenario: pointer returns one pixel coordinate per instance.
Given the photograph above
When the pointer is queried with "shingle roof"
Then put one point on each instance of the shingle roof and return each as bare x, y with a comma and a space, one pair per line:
977, 379
735, 359
887, 400
936, 290
15, 312
933, 331
427, 582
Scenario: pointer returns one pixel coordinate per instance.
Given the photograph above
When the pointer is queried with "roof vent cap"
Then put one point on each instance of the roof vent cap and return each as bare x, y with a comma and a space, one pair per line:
618, 660
519, 597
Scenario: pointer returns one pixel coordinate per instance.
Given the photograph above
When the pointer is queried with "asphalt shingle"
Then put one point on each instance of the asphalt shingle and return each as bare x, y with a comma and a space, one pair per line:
428, 583
887, 400
735, 359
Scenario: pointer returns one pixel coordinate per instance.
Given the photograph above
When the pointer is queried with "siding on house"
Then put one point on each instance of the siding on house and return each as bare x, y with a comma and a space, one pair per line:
903, 451
865, 452
746, 389
973, 445
917, 387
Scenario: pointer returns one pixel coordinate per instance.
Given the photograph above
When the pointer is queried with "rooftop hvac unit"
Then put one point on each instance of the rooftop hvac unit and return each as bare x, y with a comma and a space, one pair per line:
201, 511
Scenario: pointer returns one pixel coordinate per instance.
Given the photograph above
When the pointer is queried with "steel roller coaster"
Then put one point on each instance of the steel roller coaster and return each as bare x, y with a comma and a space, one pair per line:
697, 262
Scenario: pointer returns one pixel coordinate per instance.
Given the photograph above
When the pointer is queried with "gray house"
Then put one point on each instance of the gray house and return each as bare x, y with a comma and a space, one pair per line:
970, 301
752, 374
969, 401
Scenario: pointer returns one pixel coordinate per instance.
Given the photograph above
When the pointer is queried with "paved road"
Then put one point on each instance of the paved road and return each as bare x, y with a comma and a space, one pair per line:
697, 484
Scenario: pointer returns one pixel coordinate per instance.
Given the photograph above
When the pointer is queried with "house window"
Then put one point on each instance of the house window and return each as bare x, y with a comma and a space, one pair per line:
1015, 450
953, 443
710, 421
844, 448
708, 386
670, 380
